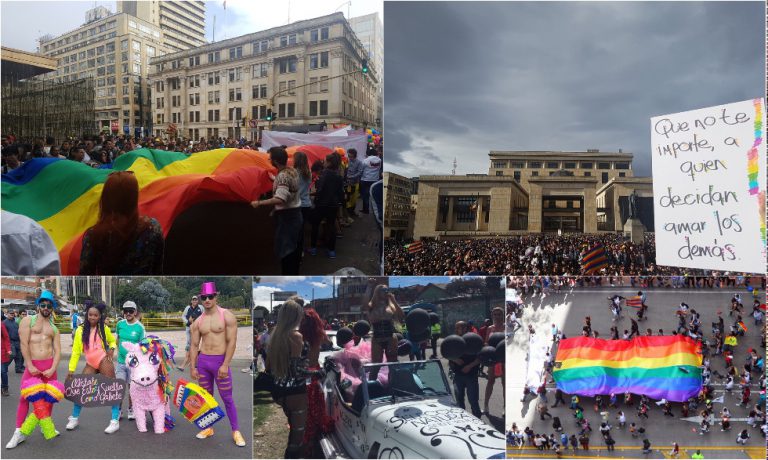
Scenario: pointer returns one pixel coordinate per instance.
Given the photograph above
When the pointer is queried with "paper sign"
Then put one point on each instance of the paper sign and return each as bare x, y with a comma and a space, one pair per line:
709, 187
94, 390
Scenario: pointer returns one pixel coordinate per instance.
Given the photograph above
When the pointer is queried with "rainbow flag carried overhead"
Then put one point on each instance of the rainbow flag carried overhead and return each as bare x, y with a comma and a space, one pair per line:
634, 301
593, 259
656, 366
63, 196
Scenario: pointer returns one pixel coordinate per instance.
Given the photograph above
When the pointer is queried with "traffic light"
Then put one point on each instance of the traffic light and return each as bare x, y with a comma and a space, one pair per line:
270, 115
365, 66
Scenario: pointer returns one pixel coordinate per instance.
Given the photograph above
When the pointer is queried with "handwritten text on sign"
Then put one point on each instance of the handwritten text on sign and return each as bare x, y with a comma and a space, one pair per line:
709, 187
94, 390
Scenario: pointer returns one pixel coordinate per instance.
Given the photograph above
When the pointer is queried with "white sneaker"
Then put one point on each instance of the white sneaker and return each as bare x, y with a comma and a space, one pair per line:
130, 415
72, 423
17, 438
114, 425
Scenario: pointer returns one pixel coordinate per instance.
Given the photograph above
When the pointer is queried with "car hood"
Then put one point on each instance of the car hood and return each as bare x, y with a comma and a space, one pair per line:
434, 428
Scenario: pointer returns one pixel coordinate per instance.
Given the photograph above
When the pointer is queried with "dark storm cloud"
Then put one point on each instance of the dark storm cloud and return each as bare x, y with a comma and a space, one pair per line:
463, 78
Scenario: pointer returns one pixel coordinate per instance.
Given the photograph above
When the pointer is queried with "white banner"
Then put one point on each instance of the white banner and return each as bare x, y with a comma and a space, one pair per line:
277, 138
709, 187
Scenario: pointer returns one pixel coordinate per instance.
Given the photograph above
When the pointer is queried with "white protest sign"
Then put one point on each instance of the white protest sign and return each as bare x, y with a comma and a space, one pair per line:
709, 187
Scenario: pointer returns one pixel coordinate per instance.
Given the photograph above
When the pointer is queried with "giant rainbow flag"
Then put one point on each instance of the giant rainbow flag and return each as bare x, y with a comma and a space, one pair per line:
63, 195
656, 366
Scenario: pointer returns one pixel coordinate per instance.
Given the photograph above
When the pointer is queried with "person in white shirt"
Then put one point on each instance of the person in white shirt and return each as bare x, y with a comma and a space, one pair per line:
371, 172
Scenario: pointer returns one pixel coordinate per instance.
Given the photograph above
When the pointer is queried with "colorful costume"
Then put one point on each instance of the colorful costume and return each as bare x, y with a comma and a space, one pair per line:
151, 387
43, 394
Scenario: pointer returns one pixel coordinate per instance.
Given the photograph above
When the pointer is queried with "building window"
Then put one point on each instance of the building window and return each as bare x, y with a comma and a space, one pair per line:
318, 60
160, 103
213, 78
193, 61
213, 115
464, 209
194, 99
281, 110
319, 34
291, 86
517, 176
214, 57
517, 164
235, 94
291, 110
622, 174
323, 107
587, 174
534, 173
235, 53
260, 46
288, 65
621, 165
499, 164
586, 165
235, 113
213, 97
534, 164
260, 70
235, 74
286, 40
569, 165
603, 165
312, 108
604, 177
499, 173
194, 81
553, 164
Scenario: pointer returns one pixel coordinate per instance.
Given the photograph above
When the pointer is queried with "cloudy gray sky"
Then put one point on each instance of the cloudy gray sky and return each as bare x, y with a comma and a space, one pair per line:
24, 21
464, 78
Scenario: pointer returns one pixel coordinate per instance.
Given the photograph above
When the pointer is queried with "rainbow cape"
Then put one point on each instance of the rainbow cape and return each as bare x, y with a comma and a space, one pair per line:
63, 195
656, 366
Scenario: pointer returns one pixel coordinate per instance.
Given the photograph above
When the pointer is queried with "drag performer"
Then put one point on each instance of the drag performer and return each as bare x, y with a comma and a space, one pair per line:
41, 349
288, 363
383, 311
214, 337
318, 422
95, 339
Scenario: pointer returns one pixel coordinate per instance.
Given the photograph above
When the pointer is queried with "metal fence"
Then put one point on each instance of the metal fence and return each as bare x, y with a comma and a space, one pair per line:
64, 324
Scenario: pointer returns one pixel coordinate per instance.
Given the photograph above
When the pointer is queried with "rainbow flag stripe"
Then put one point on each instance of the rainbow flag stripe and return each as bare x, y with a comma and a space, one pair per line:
63, 195
657, 366
752, 167
594, 259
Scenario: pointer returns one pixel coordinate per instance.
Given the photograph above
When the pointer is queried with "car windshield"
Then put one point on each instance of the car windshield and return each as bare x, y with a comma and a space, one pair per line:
418, 379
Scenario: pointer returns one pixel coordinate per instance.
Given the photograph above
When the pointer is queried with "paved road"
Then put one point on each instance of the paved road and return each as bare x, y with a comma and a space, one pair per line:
90, 441
568, 309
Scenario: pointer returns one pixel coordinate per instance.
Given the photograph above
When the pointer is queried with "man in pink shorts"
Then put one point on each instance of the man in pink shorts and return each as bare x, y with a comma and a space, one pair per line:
41, 349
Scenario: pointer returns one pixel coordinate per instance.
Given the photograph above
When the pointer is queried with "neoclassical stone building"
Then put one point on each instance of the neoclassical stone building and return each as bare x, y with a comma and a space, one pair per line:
531, 192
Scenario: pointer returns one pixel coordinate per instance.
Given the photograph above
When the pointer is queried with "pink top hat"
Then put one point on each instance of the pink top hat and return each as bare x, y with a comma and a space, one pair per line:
208, 288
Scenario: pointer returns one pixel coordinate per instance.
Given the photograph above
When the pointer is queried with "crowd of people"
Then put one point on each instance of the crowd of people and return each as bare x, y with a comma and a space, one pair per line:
533, 254
548, 284
211, 344
306, 199
743, 379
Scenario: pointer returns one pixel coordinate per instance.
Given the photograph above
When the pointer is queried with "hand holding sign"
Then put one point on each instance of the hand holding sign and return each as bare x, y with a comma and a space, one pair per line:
709, 187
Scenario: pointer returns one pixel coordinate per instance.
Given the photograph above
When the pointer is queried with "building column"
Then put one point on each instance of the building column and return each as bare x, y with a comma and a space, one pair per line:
479, 212
534, 208
500, 209
449, 216
616, 211
590, 210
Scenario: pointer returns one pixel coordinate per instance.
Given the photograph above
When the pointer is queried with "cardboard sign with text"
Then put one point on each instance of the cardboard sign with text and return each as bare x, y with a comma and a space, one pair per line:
94, 390
709, 187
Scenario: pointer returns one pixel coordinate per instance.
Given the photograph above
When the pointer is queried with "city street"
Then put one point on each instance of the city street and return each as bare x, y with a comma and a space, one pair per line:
88, 440
567, 311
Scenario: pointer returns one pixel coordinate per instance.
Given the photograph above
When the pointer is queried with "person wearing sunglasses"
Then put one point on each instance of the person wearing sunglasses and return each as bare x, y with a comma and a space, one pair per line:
122, 242
96, 341
214, 337
41, 348
128, 329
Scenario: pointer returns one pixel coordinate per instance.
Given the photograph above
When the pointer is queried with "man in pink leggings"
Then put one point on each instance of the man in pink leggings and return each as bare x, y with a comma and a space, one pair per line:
41, 349
214, 337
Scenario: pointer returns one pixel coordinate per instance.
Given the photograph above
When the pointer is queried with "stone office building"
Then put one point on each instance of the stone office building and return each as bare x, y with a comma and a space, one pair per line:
532, 192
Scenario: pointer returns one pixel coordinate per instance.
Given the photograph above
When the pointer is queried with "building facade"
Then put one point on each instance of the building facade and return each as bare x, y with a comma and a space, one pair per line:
397, 205
307, 72
19, 289
182, 23
370, 32
532, 192
114, 50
